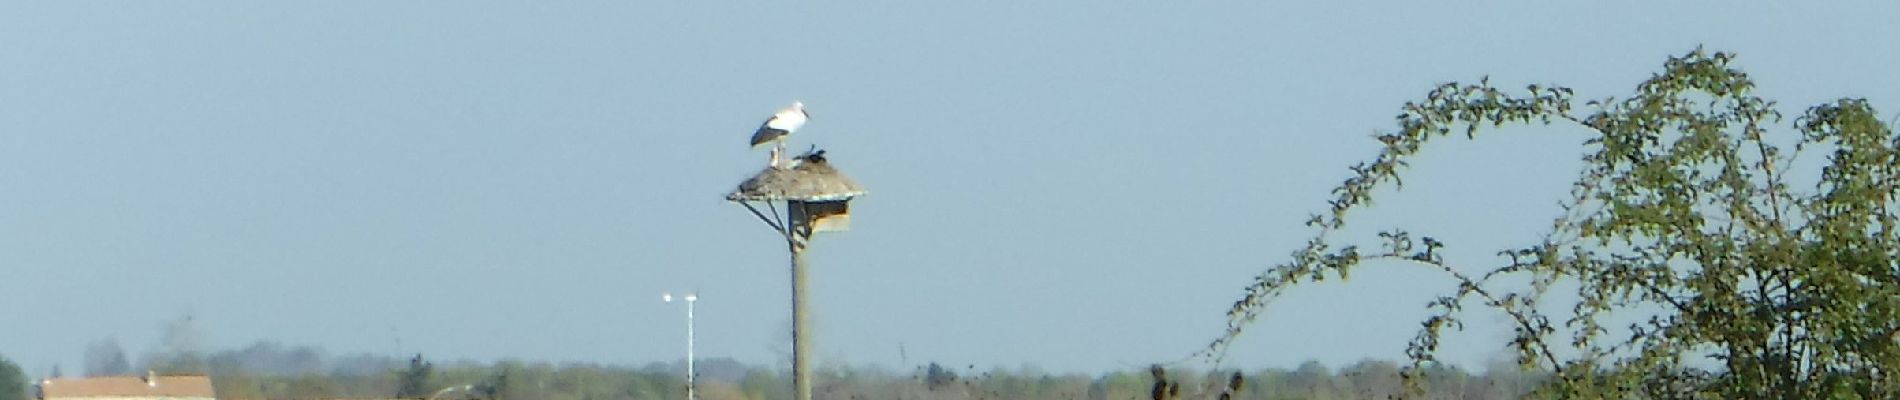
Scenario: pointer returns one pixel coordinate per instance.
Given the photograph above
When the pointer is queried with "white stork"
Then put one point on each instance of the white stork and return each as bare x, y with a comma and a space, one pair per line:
775, 129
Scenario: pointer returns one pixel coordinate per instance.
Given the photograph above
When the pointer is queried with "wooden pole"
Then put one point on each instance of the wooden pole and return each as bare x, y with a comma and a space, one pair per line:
797, 230
801, 326
801, 302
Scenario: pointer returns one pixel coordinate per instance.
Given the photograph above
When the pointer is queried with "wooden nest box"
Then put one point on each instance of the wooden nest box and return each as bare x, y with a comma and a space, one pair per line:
817, 196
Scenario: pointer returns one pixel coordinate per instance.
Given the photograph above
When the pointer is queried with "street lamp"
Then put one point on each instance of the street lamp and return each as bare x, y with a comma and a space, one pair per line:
690, 299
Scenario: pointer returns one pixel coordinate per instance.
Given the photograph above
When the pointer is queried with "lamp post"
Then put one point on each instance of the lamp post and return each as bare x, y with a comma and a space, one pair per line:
690, 299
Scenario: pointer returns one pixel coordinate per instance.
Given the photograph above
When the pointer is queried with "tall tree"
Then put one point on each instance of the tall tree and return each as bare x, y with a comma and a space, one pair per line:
1693, 208
1313, 380
13, 384
1373, 379
105, 358
496, 387
415, 381
181, 348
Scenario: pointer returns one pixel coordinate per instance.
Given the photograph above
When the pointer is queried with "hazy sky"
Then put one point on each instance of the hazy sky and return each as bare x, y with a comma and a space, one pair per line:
1081, 186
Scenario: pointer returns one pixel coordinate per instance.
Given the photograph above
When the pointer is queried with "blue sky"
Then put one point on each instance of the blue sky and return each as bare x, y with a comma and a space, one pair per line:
1080, 186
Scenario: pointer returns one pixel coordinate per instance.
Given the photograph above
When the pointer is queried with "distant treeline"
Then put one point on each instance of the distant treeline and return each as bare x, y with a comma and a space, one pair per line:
268, 370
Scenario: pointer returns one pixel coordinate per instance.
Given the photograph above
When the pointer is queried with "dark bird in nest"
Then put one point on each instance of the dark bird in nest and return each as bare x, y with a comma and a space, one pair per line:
814, 155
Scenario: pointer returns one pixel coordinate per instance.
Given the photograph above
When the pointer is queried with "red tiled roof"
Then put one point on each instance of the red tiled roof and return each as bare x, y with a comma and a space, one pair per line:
127, 386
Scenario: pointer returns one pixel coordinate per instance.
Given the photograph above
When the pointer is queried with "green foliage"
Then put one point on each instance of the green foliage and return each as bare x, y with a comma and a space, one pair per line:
13, 384
179, 364
259, 372
415, 382
1688, 209
936, 377
763, 384
497, 386
106, 358
180, 350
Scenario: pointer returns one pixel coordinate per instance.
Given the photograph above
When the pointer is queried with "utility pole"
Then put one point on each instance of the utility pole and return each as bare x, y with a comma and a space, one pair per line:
816, 198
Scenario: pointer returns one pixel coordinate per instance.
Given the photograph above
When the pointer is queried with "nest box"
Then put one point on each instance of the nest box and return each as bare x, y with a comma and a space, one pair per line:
817, 196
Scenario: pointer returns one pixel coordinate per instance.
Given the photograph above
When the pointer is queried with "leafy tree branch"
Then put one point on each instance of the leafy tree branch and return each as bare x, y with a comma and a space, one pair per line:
1685, 212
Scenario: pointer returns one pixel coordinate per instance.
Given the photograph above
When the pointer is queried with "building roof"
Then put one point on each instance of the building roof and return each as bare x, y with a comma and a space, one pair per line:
811, 179
127, 386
